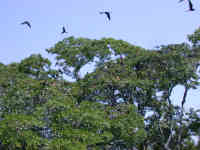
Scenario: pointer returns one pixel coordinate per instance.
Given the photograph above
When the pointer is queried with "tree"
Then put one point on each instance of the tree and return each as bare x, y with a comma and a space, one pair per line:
125, 103
39, 111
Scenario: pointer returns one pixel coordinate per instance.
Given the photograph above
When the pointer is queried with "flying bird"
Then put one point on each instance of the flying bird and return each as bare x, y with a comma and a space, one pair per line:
106, 13
190, 6
63, 30
26, 23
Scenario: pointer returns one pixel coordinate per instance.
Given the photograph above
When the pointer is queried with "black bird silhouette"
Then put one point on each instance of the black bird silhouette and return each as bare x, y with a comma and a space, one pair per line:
190, 6
27, 23
106, 13
63, 30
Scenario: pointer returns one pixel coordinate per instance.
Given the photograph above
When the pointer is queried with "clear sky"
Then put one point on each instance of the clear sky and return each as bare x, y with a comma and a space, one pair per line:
145, 23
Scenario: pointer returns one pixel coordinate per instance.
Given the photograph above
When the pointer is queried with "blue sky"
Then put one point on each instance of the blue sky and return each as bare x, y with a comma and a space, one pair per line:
145, 23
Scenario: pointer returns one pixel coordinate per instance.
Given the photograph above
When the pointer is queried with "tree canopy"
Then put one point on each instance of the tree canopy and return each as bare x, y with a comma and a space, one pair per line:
123, 104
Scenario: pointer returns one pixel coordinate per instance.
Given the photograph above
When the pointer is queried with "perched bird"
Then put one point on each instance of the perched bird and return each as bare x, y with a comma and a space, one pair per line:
26, 23
63, 30
190, 6
106, 13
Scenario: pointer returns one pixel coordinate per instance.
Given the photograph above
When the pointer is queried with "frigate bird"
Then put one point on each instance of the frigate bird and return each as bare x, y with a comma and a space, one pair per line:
26, 23
191, 8
63, 30
106, 13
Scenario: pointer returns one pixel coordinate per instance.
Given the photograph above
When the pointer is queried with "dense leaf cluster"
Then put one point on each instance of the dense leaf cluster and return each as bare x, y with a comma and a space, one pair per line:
123, 104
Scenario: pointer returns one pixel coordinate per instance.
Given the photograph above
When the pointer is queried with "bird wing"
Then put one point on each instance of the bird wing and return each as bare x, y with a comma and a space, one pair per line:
108, 15
27, 23
181, 1
190, 4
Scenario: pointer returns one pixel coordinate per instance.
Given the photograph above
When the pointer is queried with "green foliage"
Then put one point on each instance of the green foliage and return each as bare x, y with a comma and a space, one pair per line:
125, 103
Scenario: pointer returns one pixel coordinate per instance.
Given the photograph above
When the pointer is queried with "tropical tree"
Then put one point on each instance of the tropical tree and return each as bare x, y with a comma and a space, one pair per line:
123, 104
